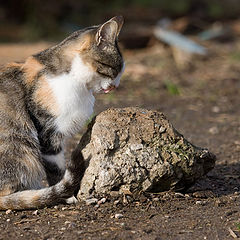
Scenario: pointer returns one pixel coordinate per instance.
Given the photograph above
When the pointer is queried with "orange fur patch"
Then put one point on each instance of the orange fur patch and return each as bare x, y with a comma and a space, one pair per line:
44, 96
31, 68
13, 64
79, 46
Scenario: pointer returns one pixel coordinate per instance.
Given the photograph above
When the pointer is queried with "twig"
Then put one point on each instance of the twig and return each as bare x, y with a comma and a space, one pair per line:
232, 233
26, 220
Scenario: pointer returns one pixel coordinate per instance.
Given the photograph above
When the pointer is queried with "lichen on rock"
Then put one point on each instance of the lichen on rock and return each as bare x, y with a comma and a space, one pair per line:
139, 150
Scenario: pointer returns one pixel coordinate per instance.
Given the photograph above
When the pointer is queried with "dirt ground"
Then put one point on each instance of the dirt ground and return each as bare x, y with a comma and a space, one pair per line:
202, 101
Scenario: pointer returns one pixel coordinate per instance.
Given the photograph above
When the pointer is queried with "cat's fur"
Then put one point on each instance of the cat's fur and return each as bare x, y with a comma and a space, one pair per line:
44, 100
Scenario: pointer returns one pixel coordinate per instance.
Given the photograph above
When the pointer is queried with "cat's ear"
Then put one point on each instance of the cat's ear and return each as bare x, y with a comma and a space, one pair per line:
110, 30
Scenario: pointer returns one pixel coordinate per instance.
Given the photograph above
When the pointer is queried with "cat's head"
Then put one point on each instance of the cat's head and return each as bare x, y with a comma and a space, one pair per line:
93, 54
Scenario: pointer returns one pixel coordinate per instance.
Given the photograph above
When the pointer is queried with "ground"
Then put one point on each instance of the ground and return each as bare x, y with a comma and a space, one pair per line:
202, 102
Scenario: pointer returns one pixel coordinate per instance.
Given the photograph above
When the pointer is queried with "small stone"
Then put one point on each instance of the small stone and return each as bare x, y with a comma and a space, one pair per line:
116, 202
162, 129
67, 222
64, 208
8, 220
219, 202
96, 206
91, 201
200, 202
179, 195
237, 142
101, 201
135, 147
156, 199
35, 212
215, 109
118, 215
187, 195
213, 130
8, 211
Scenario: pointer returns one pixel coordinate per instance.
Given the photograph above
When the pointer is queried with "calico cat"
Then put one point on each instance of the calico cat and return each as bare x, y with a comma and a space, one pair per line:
44, 100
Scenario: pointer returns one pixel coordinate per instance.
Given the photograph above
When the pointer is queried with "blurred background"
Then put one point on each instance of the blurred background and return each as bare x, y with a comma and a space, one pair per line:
31, 20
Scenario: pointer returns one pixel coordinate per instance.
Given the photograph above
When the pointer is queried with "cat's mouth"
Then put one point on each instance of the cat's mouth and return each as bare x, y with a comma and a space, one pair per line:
110, 88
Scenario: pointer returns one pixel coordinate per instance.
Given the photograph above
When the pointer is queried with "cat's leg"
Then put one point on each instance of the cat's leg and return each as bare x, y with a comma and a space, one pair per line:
20, 164
52, 147
55, 166
52, 150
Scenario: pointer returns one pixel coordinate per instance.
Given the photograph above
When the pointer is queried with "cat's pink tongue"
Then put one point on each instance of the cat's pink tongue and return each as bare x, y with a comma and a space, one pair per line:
110, 88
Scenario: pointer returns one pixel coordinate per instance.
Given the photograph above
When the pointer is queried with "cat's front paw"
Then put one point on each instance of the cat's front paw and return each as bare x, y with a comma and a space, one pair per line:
71, 200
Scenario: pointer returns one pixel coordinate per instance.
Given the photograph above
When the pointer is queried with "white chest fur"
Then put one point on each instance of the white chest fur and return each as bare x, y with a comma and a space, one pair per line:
74, 100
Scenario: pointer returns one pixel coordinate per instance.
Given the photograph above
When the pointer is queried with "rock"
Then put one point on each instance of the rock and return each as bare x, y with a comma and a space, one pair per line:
91, 201
139, 150
102, 201
35, 212
8, 211
118, 215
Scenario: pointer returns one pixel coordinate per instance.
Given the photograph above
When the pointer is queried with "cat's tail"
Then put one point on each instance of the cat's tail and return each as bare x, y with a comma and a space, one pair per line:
50, 196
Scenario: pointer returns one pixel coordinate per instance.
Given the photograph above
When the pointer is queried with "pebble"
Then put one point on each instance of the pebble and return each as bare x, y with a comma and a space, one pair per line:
8, 220
213, 130
135, 147
35, 212
237, 142
179, 195
116, 202
162, 129
215, 109
187, 195
156, 199
101, 201
64, 208
8, 211
91, 201
219, 203
118, 215
200, 202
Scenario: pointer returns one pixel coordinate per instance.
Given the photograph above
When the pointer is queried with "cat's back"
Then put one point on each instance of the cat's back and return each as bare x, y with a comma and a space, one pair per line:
10, 77
12, 94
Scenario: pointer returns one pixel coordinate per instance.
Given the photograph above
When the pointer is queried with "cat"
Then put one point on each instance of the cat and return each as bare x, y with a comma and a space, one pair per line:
46, 99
